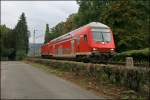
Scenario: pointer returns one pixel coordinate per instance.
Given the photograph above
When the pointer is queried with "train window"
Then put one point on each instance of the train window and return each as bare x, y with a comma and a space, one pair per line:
107, 36
85, 37
102, 36
97, 36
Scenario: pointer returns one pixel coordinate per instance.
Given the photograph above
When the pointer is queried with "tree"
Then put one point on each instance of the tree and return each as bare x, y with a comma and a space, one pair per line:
70, 24
90, 11
7, 42
4, 40
21, 37
14, 42
130, 20
47, 34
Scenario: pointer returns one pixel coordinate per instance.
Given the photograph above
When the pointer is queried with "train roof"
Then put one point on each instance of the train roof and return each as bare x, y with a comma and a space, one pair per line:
97, 24
92, 24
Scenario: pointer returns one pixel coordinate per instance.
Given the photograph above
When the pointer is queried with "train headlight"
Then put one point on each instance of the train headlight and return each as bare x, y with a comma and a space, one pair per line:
112, 49
94, 49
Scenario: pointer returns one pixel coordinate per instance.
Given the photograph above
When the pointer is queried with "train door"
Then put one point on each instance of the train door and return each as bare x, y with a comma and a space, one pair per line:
54, 51
60, 52
84, 43
72, 46
78, 43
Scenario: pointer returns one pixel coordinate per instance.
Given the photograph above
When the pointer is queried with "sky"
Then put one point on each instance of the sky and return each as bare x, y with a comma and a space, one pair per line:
37, 13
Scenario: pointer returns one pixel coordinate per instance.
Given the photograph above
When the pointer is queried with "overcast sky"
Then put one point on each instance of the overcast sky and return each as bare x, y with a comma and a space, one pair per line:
37, 13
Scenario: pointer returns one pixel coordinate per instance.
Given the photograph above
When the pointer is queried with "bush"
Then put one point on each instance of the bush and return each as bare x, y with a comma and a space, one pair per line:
137, 55
20, 55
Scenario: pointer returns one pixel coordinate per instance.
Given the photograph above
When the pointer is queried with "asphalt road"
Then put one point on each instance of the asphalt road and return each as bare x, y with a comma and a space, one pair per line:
23, 81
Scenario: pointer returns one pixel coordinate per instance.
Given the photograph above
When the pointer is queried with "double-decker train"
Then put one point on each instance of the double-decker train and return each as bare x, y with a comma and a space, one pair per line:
94, 40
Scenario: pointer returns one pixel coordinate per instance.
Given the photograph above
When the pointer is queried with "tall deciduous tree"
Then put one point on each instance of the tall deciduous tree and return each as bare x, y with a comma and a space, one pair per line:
90, 10
21, 37
130, 19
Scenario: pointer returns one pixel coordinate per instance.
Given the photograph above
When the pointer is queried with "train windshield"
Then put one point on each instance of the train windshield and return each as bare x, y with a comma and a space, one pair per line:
102, 35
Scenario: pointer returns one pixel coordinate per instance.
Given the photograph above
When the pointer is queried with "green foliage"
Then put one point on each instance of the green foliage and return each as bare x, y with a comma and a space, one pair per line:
128, 18
130, 94
20, 55
90, 11
137, 55
47, 34
6, 41
21, 37
14, 42
21, 34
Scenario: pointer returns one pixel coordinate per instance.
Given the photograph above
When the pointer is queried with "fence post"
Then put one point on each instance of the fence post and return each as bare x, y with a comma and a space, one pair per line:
129, 62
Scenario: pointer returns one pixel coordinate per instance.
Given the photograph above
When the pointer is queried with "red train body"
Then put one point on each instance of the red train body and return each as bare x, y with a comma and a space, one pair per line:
92, 39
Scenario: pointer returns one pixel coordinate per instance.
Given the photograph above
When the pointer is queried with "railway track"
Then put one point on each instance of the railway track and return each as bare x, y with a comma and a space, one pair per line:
136, 64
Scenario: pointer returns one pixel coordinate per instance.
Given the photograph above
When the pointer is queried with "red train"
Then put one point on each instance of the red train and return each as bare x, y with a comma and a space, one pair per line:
94, 40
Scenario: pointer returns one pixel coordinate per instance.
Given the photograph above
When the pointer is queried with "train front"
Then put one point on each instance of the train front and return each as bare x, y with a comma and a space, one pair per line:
102, 42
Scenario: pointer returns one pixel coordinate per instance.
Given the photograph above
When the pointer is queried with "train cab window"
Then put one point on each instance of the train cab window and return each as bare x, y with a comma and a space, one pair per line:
101, 34
85, 37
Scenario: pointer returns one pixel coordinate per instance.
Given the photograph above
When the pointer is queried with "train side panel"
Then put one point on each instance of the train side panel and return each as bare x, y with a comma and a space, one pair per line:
63, 48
